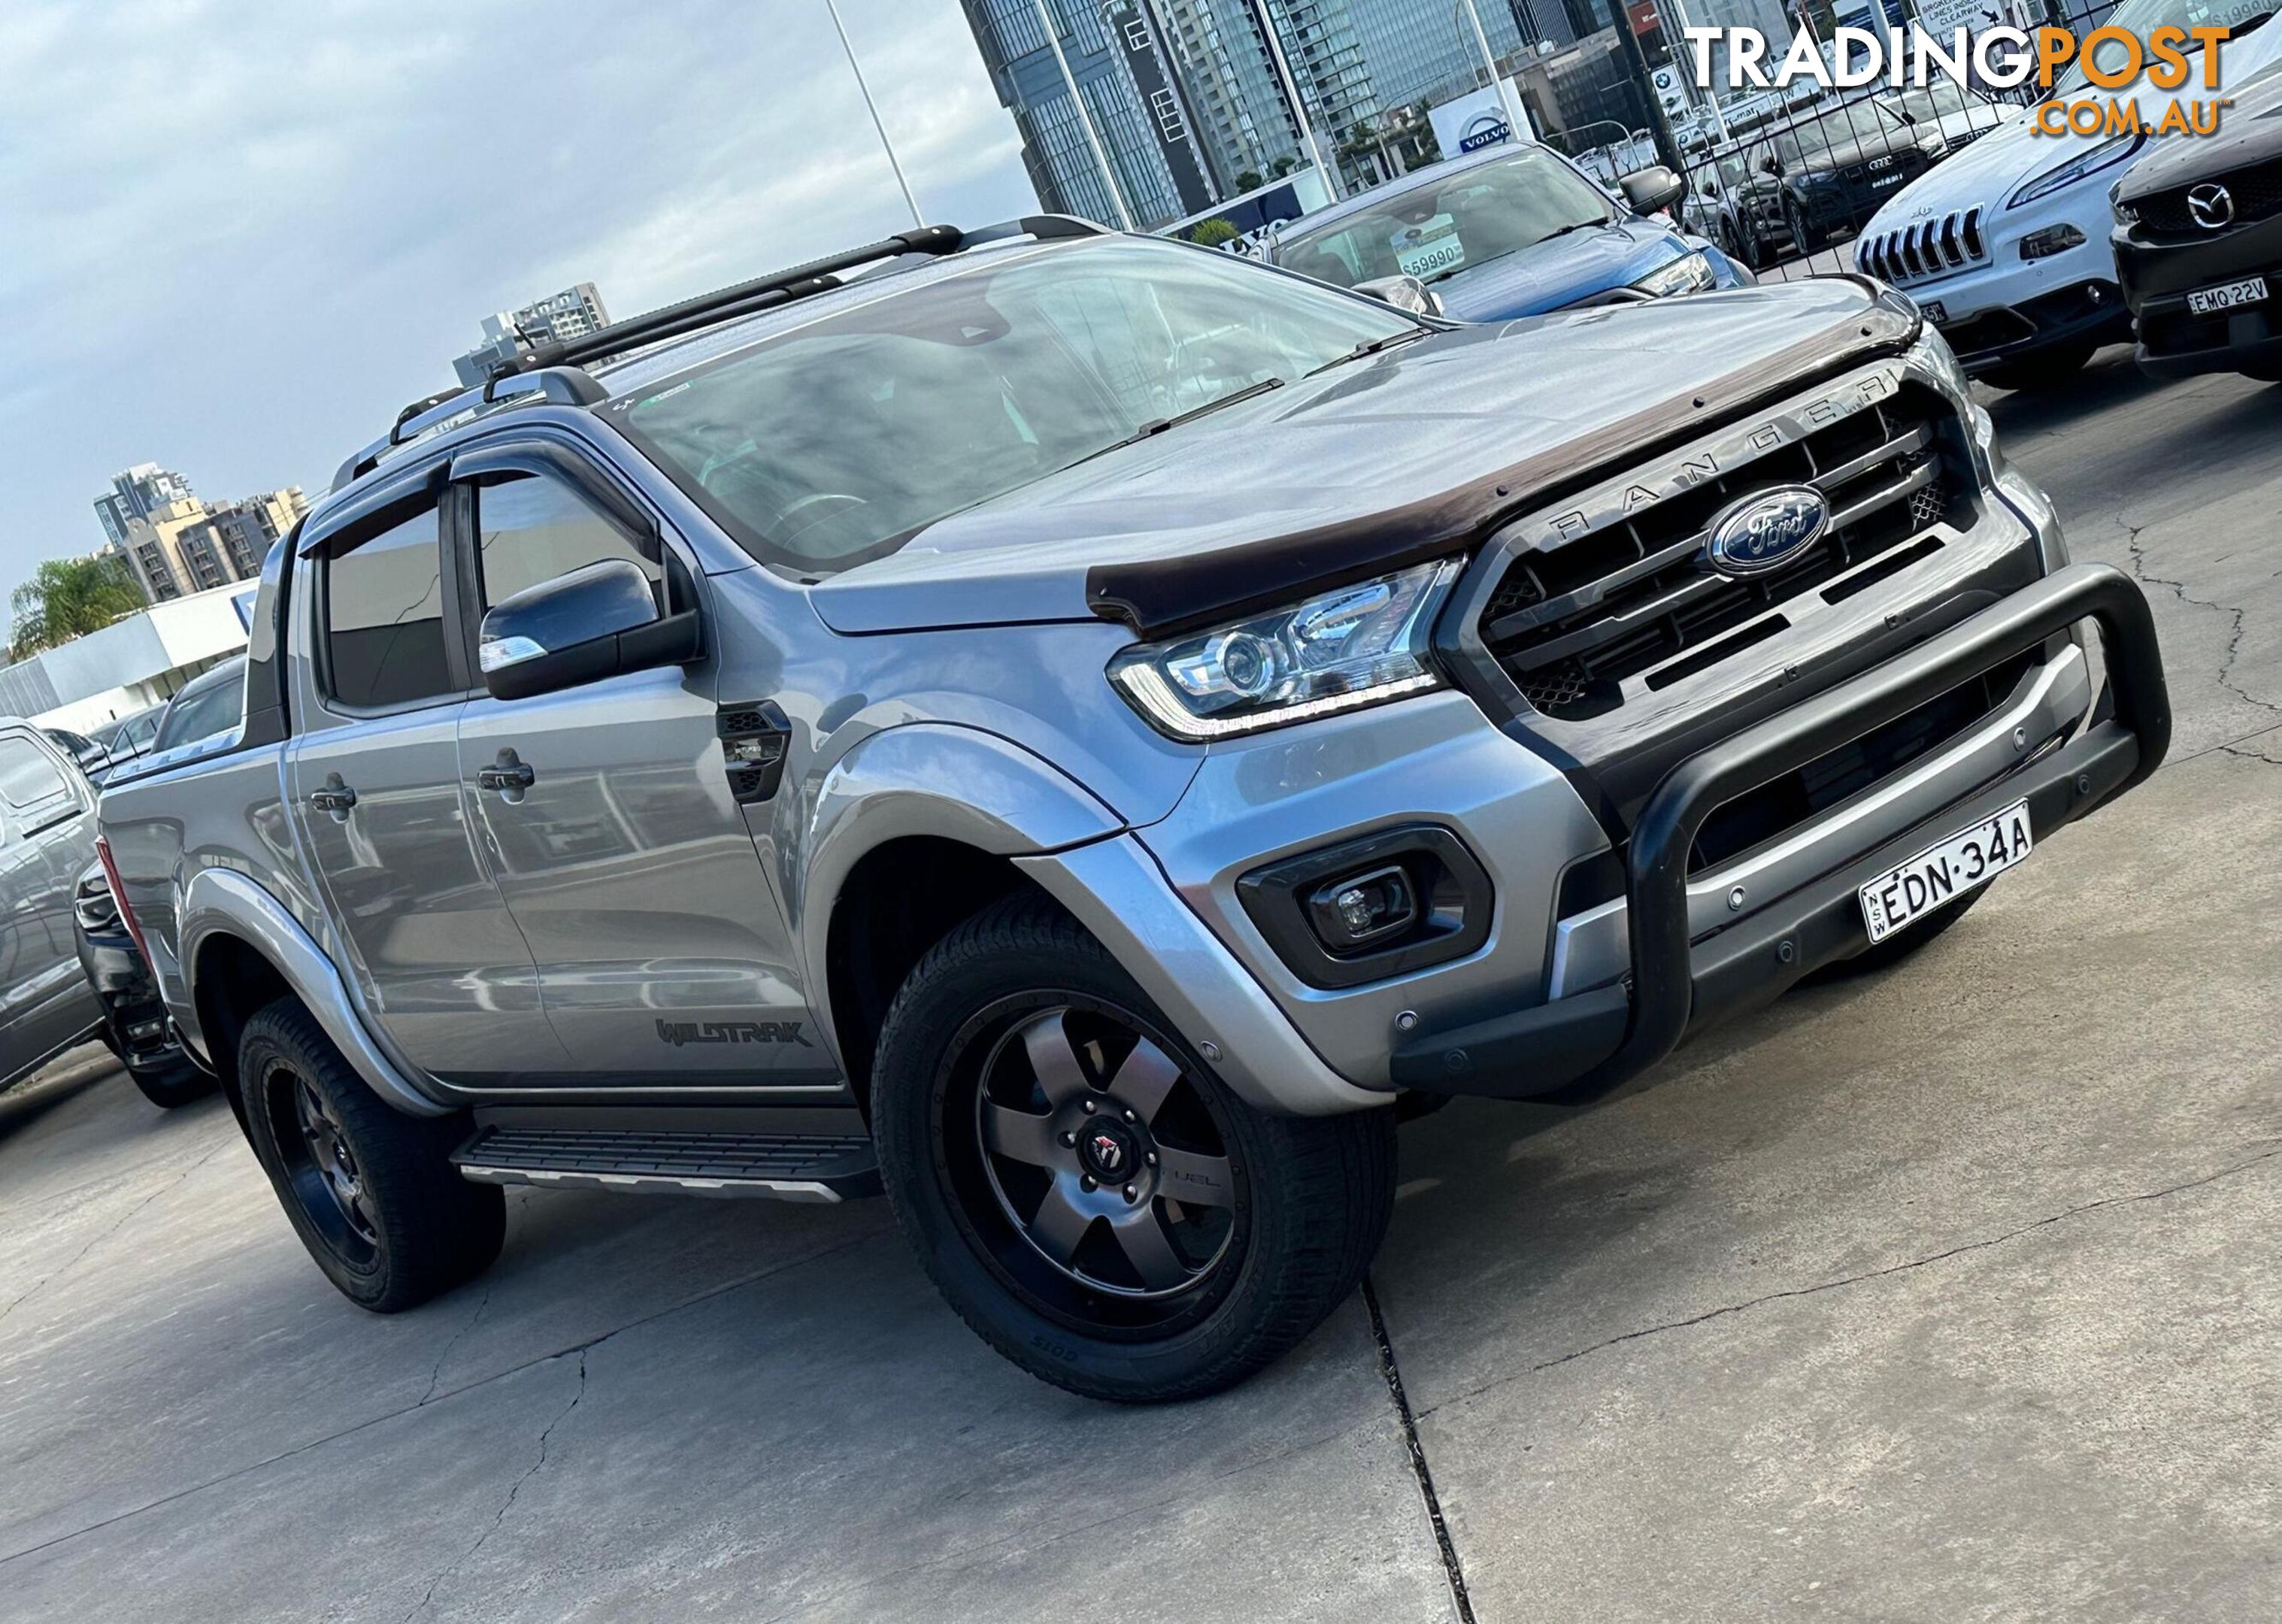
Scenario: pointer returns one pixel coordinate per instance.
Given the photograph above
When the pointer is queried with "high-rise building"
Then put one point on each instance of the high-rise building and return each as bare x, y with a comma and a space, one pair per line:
574, 311
1243, 109
174, 544
138, 493
1113, 52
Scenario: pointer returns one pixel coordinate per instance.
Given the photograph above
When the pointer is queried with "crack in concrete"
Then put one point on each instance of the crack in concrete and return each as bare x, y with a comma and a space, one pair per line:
580, 1348
1945, 1256
2241, 618
437, 1374
125, 1219
514, 1490
1453, 1572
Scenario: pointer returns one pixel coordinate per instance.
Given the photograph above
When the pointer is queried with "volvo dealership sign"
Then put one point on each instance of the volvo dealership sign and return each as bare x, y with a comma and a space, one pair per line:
1477, 120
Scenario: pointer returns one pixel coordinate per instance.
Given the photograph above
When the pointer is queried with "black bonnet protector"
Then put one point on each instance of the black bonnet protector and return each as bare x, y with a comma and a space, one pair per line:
1160, 596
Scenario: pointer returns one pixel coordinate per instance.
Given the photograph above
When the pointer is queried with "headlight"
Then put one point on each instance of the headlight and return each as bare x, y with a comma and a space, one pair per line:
1360, 645
2106, 154
1691, 273
2126, 213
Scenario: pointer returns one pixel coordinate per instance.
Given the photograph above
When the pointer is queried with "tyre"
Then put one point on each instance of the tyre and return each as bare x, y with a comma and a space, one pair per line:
1805, 239
1886, 955
1749, 248
371, 1192
169, 1084
1085, 1193
2047, 370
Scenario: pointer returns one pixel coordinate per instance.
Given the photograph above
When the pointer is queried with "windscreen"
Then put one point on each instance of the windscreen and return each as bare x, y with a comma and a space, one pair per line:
1434, 230
836, 442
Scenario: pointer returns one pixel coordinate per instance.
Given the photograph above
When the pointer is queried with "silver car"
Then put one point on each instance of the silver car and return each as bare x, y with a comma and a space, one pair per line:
1071, 729
47, 830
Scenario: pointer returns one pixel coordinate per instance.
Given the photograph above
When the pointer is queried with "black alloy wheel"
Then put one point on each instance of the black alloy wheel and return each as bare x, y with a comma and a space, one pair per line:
322, 1166
1087, 1192
1091, 1173
371, 1191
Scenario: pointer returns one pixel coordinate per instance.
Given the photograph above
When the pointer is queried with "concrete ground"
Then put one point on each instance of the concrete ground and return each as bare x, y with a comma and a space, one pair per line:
1946, 1294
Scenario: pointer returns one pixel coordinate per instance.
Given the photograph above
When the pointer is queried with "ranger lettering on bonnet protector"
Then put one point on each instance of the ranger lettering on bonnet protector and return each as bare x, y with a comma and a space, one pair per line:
867, 742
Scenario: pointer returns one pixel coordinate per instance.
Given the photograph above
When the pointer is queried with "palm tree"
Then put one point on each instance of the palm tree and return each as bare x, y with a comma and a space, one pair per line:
67, 598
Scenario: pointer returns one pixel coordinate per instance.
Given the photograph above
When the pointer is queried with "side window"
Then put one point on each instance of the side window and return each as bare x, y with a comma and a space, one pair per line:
533, 529
385, 618
28, 777
213, 709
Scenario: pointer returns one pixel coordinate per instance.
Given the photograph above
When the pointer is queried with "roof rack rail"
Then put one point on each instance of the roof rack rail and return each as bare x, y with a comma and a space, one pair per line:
726, 304
564, 385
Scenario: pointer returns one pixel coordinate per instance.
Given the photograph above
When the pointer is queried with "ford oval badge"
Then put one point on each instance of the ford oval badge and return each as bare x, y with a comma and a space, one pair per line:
1768, 531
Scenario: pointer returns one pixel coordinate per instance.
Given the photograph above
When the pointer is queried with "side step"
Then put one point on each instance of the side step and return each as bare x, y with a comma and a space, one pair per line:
777, 1165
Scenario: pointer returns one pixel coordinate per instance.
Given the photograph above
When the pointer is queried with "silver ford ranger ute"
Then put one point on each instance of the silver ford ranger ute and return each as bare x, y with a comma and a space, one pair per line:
1072, 729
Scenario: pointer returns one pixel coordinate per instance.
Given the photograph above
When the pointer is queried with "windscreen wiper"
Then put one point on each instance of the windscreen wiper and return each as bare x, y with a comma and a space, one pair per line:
1151, 430
1371, 347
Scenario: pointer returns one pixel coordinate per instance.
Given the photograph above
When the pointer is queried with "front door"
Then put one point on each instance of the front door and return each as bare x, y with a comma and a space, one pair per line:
663, 958
376, 777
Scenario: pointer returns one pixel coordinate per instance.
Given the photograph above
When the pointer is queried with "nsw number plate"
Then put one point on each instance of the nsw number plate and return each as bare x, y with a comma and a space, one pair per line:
1944, 872
2249, 291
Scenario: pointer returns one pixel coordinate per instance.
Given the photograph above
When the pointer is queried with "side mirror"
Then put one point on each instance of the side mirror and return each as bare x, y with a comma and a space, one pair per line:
1646, 190
599, 620
1404, 294
1771, 165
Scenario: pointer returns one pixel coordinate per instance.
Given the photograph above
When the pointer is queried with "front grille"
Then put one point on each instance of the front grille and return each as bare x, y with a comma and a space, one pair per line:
1627, 606
2255, 189
1925, 248
1776, 808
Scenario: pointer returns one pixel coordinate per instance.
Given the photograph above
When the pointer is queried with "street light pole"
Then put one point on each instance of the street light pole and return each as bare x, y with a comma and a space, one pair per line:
872, 108
1292, 88
1711, 91
1515, 122
1092, 136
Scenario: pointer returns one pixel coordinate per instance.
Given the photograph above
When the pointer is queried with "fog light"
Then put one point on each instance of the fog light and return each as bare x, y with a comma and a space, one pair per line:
2051, 240
1360, 909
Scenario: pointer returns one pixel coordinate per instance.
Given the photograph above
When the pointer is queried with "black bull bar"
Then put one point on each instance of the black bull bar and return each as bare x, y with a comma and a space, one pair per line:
1582, 1048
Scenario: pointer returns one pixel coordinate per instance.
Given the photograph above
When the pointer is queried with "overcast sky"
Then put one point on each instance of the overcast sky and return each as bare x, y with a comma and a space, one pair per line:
236, 236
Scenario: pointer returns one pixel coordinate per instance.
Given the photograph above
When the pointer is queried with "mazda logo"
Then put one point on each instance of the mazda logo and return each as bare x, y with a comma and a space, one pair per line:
2212, 206
1767, 530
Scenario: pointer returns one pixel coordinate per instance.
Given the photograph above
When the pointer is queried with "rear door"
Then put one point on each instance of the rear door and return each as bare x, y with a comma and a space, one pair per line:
664, 957
374, 766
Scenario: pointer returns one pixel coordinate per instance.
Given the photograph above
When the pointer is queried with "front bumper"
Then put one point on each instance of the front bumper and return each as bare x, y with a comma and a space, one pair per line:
1585, 1047
2158, 278
2002, 307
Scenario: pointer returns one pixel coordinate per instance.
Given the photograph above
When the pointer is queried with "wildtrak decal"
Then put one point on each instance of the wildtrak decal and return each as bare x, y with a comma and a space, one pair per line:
680, 1032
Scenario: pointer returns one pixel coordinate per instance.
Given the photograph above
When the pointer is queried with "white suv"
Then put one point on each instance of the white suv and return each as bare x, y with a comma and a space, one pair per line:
2005, 246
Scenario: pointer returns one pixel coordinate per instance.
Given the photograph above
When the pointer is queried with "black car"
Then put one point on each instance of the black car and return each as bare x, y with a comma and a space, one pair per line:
135, 1024
208, 713
2199, 245
1815, 179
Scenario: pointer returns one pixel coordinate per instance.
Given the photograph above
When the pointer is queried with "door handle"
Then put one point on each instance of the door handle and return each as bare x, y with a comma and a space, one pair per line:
333, 796
511, 777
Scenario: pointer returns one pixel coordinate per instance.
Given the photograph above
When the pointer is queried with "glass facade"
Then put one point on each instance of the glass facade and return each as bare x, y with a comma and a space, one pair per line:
1061, 162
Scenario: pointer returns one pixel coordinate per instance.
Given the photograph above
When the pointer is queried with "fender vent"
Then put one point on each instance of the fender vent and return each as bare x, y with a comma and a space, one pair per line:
754, 738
